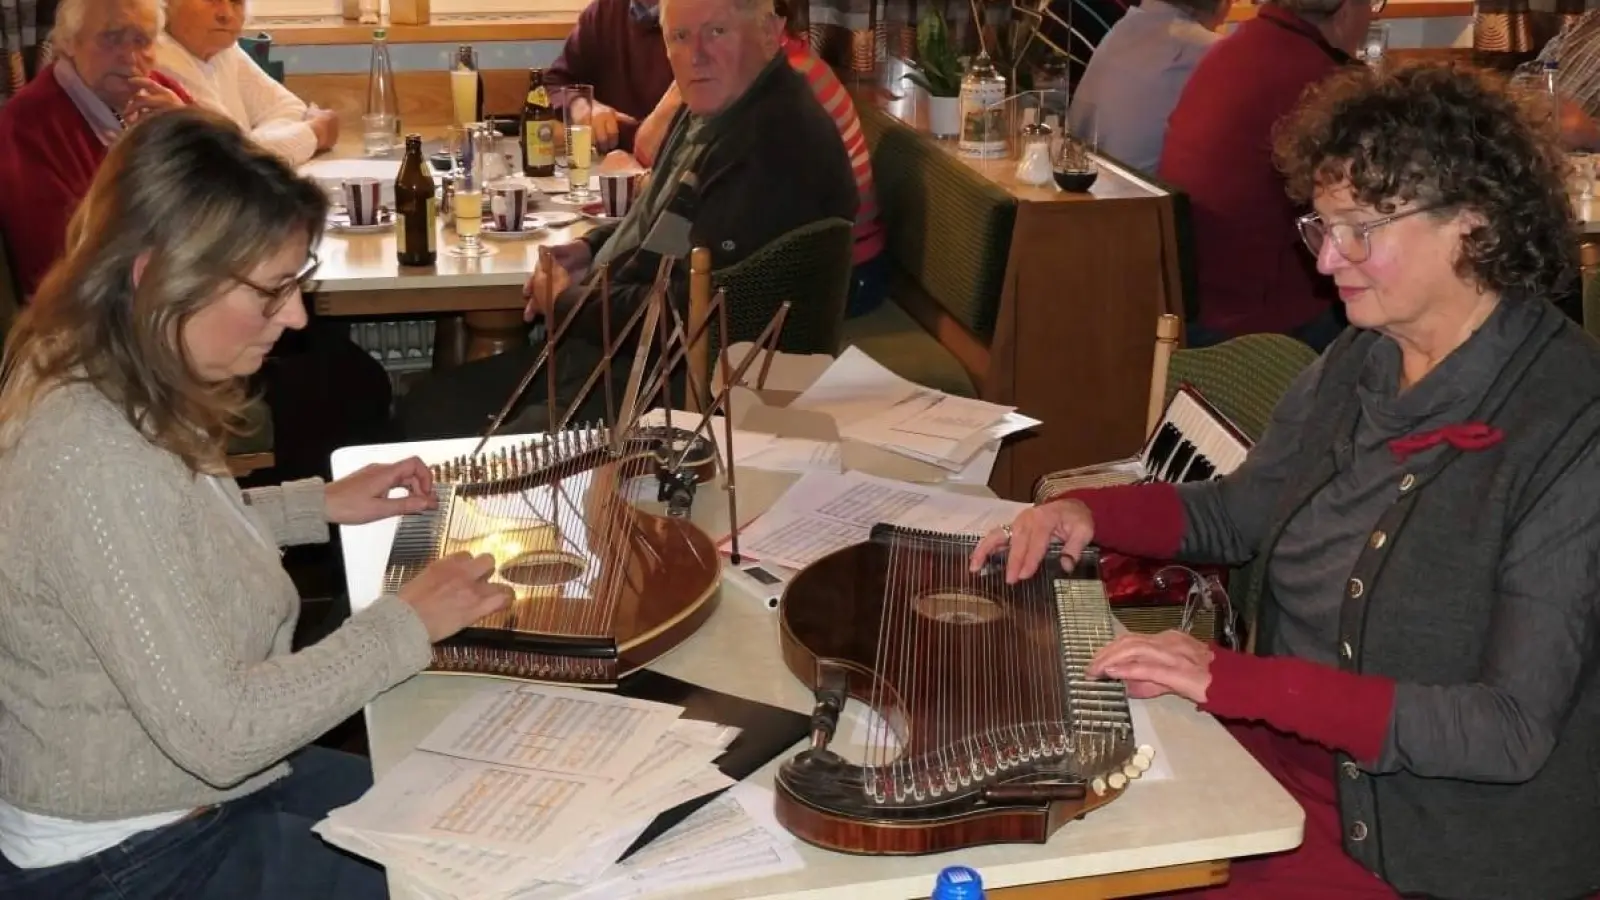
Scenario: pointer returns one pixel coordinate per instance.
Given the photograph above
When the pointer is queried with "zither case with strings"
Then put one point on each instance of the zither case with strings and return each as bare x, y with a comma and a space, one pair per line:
987, 730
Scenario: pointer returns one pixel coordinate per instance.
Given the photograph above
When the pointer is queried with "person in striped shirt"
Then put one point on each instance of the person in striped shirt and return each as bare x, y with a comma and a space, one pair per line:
869, 283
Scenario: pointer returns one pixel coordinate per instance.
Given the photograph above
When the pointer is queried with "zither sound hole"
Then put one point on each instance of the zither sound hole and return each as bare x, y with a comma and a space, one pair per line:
542, 569
957, 608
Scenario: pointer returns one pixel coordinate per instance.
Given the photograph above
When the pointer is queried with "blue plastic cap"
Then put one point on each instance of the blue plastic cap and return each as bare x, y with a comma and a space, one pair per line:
958, 883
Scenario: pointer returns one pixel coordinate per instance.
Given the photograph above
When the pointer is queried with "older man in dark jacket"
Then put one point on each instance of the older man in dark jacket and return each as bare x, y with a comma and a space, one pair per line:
750, 157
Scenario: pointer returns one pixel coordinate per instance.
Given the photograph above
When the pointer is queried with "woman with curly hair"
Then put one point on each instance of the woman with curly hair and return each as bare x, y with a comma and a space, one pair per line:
1424, 678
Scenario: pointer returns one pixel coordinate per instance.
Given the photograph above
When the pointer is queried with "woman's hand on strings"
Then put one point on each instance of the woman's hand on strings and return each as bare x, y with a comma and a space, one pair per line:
1028, 537
1172, 662
363, 495
453, 592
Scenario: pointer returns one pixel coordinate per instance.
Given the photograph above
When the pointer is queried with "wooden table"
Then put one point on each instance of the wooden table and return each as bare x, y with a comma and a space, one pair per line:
1159, 836
1086, 279
478, 300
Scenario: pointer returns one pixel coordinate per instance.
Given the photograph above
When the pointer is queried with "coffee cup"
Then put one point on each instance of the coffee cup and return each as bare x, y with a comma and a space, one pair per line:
363, 197
508, 203
619, 191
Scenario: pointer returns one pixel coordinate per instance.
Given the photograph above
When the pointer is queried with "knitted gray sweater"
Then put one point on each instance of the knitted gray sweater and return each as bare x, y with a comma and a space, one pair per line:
145, 626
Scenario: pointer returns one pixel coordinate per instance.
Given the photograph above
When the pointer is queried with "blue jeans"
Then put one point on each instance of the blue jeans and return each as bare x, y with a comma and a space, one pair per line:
258, 847
869, 286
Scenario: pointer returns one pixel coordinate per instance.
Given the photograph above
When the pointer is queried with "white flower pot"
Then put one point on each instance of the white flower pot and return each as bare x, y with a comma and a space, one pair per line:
944, 116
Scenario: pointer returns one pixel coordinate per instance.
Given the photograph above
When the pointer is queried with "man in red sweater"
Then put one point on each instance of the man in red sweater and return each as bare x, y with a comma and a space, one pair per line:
55, 132
1253, 273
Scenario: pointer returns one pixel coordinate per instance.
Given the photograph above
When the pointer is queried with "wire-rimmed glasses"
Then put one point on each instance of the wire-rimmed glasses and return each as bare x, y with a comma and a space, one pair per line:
1353, 240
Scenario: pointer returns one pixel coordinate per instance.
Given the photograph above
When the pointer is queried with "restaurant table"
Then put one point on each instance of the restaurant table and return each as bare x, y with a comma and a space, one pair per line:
1159, 836
478, 300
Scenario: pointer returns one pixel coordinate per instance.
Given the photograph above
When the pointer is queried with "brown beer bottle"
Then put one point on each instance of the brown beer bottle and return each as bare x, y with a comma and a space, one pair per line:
416, 209
539, 122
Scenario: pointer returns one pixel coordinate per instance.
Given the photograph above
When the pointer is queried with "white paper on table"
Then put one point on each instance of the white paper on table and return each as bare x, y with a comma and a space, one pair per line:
820, 514
800, 455
854, 388
953, 418
554, 729
437, 797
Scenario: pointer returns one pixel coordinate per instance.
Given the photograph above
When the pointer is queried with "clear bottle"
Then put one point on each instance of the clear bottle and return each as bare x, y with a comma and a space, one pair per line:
983, 114
381, 96
957, 883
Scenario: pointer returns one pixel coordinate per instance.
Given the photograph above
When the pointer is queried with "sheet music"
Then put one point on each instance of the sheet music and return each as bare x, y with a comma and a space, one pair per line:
497, 807
822, 513
953, 418
575, 732
531, 788
873, 405
786, 454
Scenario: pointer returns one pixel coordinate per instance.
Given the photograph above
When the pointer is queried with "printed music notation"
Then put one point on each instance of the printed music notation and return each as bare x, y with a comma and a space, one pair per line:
536, 792
821, 513
589, 734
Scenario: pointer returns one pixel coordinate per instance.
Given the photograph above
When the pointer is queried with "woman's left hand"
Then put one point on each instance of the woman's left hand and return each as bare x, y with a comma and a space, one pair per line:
1171, 662
363, 495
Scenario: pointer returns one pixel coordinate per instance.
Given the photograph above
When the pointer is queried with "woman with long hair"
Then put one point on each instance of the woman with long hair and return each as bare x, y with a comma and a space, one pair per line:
153, 722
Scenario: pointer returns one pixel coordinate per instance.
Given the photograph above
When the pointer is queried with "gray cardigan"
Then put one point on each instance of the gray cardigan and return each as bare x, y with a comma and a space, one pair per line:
1472, 579
145, 626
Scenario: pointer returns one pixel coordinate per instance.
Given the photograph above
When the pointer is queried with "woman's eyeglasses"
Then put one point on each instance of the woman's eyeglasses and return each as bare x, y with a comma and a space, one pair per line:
303, 282
1353, 241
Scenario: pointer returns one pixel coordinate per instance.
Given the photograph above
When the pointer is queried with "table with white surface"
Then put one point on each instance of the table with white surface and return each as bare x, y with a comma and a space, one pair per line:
1159, 836
361, 275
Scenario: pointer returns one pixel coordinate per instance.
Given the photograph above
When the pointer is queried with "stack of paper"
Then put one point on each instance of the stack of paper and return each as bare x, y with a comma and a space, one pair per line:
539, 788
823, 513
875, 406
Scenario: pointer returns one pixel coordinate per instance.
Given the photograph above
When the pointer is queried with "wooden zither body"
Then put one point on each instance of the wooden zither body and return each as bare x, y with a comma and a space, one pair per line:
602, 587
987, 729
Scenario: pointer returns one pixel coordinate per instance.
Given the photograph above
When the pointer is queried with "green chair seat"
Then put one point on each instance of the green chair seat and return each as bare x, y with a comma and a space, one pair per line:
809, 268
891, 336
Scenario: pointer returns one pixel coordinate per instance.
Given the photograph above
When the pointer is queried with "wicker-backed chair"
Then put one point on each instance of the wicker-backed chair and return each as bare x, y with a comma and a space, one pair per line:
1244, 378
810, 267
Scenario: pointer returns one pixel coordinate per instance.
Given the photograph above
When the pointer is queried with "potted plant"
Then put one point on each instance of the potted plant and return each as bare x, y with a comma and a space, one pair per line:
938, 71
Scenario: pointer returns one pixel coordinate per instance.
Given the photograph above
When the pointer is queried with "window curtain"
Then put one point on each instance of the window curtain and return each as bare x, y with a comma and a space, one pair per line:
1506, 33
24, 42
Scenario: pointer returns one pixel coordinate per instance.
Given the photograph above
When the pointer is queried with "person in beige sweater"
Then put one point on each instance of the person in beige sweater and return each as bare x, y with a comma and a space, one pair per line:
154, 725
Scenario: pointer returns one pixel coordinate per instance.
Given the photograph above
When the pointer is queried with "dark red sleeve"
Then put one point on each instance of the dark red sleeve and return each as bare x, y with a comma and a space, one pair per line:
49, 192
1344, 711
1135, 519
574, 58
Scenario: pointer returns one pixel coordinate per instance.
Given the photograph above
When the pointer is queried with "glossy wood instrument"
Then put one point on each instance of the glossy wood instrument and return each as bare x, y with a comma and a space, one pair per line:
602, 587
987, 731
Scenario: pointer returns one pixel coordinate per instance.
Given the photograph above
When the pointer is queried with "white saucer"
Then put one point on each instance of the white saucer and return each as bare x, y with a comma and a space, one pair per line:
566, 200
532, 226
561, 219
343, 226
